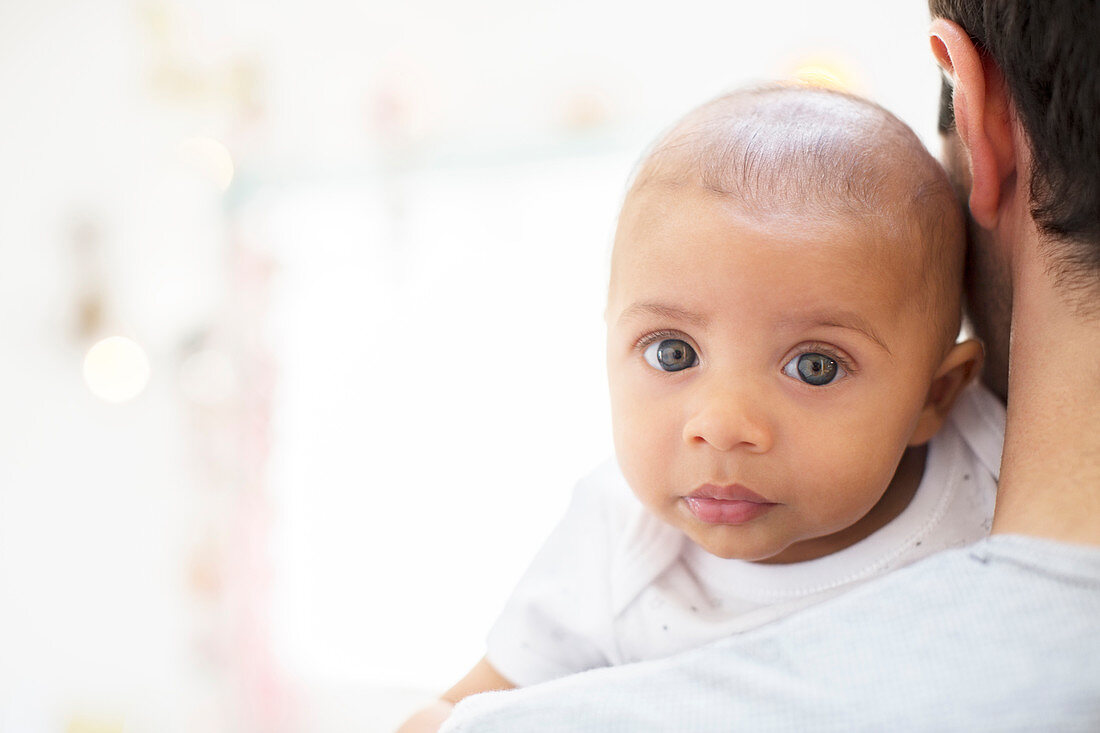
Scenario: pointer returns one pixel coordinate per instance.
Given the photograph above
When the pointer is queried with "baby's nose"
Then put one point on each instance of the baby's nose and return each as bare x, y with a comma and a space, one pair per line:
730, 416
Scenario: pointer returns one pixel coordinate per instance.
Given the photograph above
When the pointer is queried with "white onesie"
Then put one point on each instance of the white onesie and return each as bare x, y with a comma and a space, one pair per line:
613, 584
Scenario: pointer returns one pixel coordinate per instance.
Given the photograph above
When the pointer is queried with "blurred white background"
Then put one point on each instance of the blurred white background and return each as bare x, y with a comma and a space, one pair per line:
357, 254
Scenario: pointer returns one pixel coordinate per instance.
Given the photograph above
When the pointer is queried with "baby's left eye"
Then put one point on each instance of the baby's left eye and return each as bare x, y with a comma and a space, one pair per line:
815, 369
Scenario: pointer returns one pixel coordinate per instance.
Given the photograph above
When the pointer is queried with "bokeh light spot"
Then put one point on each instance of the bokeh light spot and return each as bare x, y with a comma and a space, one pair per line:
116, 369
210, 158
829, 71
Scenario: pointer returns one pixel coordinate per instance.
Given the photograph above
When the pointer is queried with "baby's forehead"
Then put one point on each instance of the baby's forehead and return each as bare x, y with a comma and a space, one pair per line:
885, 235
686, 214
831, 256
689, 247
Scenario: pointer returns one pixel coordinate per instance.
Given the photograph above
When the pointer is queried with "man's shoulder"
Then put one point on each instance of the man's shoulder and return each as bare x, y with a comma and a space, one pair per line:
1022, 580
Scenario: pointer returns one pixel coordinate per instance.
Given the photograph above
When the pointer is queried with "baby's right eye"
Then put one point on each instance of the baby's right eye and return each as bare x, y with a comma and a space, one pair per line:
670, 355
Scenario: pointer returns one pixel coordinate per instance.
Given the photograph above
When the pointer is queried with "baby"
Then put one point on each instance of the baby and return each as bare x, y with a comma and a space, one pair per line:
781, 351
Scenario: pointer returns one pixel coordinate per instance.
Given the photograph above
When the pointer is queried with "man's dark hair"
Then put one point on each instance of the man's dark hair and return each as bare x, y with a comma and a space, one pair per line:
1049, 54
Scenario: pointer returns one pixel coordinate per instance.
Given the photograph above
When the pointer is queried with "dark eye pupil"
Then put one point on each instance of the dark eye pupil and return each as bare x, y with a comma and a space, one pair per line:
674, 355
816, 369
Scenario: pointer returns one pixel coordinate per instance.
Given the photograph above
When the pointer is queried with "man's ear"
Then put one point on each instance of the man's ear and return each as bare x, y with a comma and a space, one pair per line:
983, 116
958, 368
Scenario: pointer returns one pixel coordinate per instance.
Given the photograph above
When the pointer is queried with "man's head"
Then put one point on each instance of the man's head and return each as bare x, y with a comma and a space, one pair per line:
782, 317
1041, 59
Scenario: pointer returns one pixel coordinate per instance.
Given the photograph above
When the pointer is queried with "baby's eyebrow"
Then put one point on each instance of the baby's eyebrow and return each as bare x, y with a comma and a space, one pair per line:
661, 310
837, 319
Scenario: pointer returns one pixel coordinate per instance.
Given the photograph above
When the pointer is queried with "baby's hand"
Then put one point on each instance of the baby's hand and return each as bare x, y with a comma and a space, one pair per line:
482, 678
428, 719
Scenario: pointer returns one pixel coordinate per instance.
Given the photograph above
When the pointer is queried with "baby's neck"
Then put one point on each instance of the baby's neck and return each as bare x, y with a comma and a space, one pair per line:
898, 495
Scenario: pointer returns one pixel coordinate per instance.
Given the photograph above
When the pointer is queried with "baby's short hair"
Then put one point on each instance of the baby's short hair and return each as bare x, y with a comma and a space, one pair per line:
784, 152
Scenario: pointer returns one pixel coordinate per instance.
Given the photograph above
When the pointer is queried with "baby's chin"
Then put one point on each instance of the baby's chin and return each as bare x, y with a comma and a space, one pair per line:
741, 550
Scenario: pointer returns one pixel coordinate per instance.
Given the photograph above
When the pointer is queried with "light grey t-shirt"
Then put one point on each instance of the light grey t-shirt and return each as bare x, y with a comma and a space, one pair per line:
1001, 636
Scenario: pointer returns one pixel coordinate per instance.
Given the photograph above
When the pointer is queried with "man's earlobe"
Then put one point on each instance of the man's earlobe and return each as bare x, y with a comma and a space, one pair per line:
958, 369
982, 116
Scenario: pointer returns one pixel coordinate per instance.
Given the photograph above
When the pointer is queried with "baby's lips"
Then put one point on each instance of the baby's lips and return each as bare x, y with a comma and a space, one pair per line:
728, 492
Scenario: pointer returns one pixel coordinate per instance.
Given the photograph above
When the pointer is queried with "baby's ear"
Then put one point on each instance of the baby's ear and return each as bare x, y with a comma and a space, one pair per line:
962, 364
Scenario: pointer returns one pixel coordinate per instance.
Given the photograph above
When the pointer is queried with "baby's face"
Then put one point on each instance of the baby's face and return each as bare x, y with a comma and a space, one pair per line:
765, 378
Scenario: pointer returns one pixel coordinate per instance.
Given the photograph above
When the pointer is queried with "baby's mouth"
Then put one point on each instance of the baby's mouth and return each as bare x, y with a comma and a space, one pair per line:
730, 504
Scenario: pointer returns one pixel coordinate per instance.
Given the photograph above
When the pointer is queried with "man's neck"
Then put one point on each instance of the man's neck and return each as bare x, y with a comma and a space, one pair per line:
1050, 474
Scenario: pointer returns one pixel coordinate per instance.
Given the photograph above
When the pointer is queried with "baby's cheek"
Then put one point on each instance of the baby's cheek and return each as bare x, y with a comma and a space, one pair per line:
860, 486
645, 462
859, 448
648, 463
